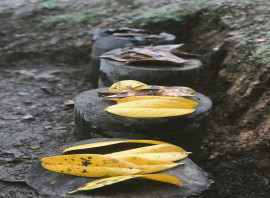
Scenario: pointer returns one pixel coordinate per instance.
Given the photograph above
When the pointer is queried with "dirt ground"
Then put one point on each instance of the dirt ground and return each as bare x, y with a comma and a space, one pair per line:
44, 58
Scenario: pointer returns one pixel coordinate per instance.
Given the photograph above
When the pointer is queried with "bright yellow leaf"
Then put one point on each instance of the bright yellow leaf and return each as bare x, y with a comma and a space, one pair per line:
155, 168
152, 103
126, 85
90, 171
150, 108
88, 165
149, 112
112, 180
166, 156
184, 100
108, 143
161, 148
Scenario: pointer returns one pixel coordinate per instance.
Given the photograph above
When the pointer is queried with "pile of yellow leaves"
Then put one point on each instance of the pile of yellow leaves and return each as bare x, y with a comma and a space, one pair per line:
136, 99
118, 166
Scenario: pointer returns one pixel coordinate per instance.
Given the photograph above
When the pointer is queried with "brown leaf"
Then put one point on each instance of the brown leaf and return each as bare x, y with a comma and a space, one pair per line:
184, 54
68, 102
124, 94
160, 53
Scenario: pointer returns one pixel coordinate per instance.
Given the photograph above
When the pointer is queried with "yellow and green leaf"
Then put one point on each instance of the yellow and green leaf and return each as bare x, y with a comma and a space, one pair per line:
126, 85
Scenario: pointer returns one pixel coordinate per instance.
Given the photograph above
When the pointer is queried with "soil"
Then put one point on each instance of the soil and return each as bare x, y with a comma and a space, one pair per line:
44, 57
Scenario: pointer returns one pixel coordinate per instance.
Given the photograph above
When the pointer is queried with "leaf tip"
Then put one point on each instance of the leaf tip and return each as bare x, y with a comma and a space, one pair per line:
72, 192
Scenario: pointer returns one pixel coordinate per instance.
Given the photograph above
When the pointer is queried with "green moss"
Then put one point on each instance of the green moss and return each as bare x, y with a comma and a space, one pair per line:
90, 16
48, 4
262, 56
166, 12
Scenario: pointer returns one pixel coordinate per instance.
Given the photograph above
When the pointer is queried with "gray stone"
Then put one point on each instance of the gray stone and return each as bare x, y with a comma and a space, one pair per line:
186, 131
166, 74
104, 43
52, 184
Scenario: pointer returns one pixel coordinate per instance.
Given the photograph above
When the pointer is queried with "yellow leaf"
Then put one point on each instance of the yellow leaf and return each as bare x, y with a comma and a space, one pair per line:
184, 100
141, 160
88, 165
155, 168
161, 148
152, 103
101, 144
166, 156
126, 85
112, 180
151, 108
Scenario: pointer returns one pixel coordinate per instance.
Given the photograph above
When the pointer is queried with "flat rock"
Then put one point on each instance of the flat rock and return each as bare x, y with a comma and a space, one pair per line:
52, 184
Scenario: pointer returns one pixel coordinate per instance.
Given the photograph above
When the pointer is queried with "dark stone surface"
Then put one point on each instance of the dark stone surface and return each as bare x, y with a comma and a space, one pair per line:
186, 131
52, 184
105, 43
167, 74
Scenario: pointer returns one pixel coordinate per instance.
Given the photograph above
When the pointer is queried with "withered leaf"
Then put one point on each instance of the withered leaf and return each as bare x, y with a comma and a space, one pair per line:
160, 53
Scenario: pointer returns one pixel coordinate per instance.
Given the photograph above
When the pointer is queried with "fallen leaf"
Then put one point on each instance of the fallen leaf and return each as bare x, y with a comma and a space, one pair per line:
130, 89
159, 148
261, 39
27, 117
89, 165
126, 85
112, 180
68, 102
162, 53
166, 156
184, 100
25, 72
47, 74
108, 143
150, 108
139, 92
184, 54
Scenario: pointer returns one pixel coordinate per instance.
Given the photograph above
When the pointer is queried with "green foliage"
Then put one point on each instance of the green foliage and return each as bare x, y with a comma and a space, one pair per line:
88, 16
48, 4
262, 56
169, 12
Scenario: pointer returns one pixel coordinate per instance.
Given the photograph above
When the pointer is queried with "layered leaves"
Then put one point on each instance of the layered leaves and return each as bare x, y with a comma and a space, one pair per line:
89, 165
118, 166
161, 53
132, 88
112, 180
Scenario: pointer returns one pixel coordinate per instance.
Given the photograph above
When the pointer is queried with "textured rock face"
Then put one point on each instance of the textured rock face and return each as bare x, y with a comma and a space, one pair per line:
186, 75
51, 184
92, 121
